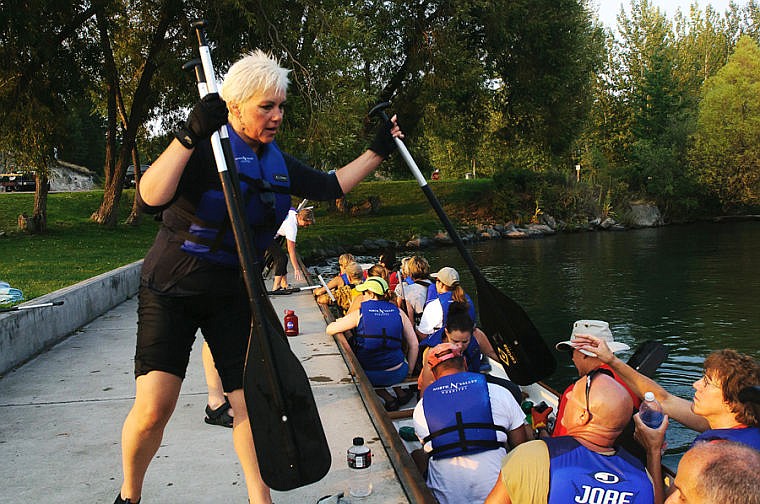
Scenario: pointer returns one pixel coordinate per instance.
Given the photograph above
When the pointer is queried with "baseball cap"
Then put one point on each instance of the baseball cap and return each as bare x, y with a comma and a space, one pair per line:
447, 275
374, 284
442, 352
598, 328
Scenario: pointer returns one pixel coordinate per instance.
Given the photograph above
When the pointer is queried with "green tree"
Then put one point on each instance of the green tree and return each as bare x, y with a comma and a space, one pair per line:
38, 87
726, 152
544, 54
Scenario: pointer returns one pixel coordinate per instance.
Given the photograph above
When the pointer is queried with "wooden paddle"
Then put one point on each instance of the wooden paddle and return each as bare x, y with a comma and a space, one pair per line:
290, 443
521, 350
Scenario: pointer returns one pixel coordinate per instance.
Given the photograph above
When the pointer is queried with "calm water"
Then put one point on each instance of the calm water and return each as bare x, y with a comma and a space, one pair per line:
695, 288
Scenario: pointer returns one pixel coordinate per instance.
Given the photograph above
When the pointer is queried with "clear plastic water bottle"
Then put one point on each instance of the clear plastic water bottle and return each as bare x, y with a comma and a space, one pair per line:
360, 462
650, 411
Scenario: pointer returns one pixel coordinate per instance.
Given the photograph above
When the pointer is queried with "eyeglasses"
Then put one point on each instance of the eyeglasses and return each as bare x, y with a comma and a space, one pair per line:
590, 377
709, 382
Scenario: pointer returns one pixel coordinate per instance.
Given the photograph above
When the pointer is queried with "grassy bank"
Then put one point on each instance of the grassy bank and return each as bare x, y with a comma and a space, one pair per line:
75, 249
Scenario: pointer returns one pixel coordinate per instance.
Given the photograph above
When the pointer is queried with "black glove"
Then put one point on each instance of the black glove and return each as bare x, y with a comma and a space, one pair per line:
383, 144
207, 116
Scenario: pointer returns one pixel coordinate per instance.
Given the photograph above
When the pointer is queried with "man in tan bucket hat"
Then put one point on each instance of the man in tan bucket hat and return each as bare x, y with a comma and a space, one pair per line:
586, 362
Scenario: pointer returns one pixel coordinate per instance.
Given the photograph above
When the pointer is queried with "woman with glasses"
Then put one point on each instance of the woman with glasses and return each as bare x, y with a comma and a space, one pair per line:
715, 411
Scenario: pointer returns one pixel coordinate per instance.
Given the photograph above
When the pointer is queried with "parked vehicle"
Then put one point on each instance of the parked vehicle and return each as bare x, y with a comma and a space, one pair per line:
129, 178
17, 182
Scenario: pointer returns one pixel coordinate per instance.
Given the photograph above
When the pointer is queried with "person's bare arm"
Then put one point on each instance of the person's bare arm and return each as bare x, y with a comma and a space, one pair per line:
355, 171
485, 345
334, 282
294, 260
426, 374
350, 321
518, 436
674, 406
413, 346
499, 493
158, 185
653, 441
356, 303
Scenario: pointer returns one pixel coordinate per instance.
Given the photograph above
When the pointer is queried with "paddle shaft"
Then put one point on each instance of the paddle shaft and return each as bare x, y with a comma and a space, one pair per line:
249, 265
31, 307
515, 339
434, 202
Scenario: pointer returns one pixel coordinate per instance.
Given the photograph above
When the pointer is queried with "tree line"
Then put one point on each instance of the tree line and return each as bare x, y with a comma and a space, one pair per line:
521, 90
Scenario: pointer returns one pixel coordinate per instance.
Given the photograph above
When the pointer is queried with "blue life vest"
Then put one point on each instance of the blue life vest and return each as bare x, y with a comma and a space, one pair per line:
446, 300
749, 436
458, 415
377, 342
409, 280
579, 475
264, 184
344, 276
432, 293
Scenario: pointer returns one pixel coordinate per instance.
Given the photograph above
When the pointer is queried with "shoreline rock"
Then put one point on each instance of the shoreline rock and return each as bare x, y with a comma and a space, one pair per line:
641, 215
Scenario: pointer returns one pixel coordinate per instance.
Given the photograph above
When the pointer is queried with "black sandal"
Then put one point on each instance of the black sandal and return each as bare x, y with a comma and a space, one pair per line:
392, 405
405, 397
219, 416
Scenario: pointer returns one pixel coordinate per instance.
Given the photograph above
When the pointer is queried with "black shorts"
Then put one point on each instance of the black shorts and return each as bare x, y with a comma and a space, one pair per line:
166, 328
278, 258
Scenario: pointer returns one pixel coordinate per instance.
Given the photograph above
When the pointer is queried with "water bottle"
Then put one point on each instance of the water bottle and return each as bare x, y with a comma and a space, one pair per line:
650, 411
291, 323
359, 461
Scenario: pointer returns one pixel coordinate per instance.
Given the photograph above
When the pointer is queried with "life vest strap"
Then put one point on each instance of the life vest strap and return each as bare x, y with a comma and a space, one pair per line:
463, 443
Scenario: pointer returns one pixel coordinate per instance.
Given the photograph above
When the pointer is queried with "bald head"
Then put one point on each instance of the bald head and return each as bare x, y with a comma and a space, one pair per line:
718, 472
609, 410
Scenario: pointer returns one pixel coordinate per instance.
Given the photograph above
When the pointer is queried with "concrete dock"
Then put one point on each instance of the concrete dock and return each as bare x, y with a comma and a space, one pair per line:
61, 415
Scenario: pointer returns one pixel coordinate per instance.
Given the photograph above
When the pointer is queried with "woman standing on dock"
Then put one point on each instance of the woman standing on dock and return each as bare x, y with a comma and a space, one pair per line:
191, 277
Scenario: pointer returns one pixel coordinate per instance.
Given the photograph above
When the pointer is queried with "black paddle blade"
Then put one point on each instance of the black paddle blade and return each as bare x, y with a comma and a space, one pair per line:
648, 357
290, 443
523, 353
750, 394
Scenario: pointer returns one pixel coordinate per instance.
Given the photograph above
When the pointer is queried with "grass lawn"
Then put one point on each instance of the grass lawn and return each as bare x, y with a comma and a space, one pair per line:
75, 249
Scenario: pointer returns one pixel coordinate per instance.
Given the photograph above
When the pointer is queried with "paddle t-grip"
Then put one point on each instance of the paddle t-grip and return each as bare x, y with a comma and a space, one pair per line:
379, 110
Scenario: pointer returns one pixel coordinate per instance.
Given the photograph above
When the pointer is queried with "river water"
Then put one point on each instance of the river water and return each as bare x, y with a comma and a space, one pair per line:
693, 287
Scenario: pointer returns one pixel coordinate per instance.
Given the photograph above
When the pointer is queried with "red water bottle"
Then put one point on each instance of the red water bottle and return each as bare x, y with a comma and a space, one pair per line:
291, 323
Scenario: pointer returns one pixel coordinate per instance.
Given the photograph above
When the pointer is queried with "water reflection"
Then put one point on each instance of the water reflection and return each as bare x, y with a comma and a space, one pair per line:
692, 287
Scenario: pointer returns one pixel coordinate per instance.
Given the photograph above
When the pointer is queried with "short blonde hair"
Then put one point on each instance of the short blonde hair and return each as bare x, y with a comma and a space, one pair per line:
256, 72
345, 259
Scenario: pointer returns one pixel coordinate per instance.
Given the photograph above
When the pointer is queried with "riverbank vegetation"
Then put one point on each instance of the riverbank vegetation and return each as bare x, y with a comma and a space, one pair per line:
74, 248
663, 110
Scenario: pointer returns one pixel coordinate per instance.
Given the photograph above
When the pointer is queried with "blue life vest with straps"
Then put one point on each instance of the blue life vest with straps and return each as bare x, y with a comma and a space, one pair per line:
749, 436
579, 475
458, 415
446, 300
377, 339
265, 188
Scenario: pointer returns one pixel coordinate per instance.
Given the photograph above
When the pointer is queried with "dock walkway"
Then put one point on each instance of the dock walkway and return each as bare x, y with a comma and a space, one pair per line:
61, 415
